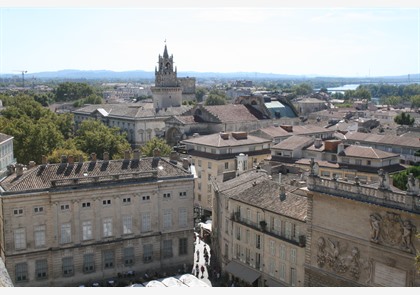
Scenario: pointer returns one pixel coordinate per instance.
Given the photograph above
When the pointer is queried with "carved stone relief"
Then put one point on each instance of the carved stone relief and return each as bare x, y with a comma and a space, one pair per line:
391, 230
335, 256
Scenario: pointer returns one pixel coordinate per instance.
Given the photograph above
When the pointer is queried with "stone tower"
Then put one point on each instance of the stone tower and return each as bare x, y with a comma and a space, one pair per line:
167, 91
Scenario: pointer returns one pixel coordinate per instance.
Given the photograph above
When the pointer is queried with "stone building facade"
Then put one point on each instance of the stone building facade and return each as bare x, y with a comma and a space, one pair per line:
361, 235
75, 222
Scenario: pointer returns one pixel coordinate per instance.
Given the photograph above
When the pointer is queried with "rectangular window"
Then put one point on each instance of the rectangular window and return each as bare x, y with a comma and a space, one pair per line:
166, 195
288, 230
127, 225
238, 232
21, 270
65, 233
182, 195
272, 248
293, 277
108, 256
128, 256
257, 260
247, 256
293, 255
146, 222
38, 210
18, 211
282, 252
277, 226
106, 202
147, 253
258, 217
145, 198
209, 188
182, 214
209, 177
226, 165
88, 263
107, 227
209, 165
41, 269
167, 218
86, 205
183, 246
257, 241
247, 236
87, 230
282, 272
127, 200
20, 238
65, 207
368, 162
271, 268
68, 266
39, 234
358, 162
167, 248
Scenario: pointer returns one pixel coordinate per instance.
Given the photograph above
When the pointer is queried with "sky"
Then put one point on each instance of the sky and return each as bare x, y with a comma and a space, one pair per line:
302, 39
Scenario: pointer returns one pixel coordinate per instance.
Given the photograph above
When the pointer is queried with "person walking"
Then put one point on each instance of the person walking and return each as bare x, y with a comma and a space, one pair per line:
202, 271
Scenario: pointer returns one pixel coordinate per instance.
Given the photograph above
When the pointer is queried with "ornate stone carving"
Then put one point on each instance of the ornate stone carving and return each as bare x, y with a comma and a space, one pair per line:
354, 267
375, 226
392, 231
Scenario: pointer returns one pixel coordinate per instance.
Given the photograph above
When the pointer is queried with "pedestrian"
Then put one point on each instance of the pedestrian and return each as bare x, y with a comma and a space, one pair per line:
197, 271
202, 271
198, 255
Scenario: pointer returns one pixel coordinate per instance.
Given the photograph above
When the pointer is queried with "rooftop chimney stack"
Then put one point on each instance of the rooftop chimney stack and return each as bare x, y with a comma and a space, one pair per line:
127, 155
282, 193
19, 169
32, 164
156, 153
93, 157
106, 156
70, 160
136, 154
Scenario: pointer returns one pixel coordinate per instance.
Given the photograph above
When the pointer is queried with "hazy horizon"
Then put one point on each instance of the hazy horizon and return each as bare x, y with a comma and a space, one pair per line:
336, 41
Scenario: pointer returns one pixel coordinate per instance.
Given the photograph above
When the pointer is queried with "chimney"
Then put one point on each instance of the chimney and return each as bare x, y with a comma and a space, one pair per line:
70, 160
93, 157
282, 193
185, 163
340, 148
156, 153
224, 135
174, 156
240, 135
106, 156
136, 154
10, 169
43, 160
318, 143
127, 155
19, 169
80, 159
63, 159
32, 164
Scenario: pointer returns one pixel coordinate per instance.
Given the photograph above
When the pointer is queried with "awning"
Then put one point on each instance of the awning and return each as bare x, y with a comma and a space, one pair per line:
242, 272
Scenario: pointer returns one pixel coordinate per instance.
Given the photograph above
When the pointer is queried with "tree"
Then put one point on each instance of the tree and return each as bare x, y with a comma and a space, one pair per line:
404, 119
55, 156
400, 179
215, 97
70, 91
302, 89
94, 137
199, 93
156, 143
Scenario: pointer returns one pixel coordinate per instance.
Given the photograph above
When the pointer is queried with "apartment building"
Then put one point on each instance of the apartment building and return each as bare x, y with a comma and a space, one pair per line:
6, 153
74, 222
259, 230
215, 154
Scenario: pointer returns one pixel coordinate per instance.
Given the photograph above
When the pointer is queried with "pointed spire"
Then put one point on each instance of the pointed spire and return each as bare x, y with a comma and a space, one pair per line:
165, 52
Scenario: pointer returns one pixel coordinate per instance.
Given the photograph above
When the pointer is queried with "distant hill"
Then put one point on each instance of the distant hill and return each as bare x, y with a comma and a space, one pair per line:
150, 75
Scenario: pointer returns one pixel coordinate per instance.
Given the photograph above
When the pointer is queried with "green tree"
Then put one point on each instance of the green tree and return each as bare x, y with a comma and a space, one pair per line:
404, 119
55, 156
94, 137
70, 91
156, 143
399, 179
199, 93
302, 89
415, 101
215, 97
